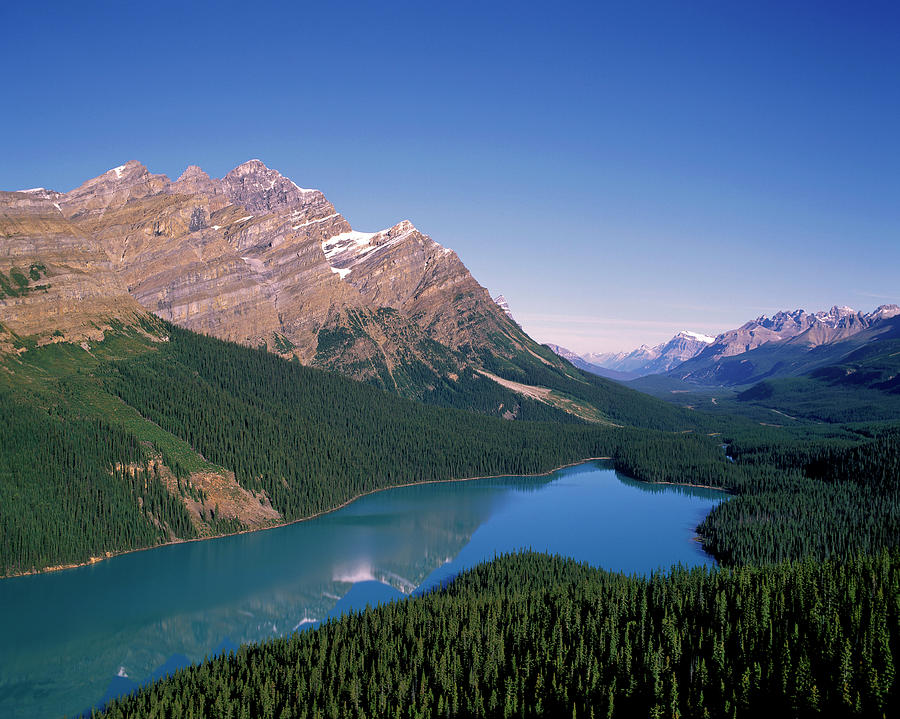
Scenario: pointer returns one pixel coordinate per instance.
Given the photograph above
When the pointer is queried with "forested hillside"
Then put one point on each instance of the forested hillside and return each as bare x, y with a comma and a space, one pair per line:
302, 441
533, 635
104, 448
129, 422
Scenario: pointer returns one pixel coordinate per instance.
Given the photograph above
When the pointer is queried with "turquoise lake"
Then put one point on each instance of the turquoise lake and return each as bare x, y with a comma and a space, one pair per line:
72, 639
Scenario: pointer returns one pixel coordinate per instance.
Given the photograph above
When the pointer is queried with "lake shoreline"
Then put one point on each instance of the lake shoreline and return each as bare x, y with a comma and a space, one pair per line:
111, 555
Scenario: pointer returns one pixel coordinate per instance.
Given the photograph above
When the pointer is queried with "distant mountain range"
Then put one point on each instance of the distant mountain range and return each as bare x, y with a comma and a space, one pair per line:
653, 360
582, 363
788, 343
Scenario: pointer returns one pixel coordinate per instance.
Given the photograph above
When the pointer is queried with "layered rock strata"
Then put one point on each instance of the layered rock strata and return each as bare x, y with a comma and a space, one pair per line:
252, 258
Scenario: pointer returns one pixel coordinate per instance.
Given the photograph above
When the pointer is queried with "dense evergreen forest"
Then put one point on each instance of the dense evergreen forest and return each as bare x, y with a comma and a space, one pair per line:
87, 438
533, 635
310, 440
72, 490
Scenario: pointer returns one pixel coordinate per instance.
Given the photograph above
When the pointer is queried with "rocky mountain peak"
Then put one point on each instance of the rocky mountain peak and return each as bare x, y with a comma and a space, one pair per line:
885, 312
501, 302
195, 181
252, 258
192, 172
400, 228
251, 167
113, 189
131, 168
262, 190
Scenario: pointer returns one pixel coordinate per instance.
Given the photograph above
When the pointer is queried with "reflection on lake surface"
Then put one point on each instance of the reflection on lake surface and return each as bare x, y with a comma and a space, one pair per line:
71, 639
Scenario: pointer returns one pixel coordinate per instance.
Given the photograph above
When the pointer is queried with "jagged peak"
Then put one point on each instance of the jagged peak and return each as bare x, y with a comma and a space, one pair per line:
258, 167
132, 167
884, 312
687, 334
114, 187
130, 171
261, 189
404, 227
192, 172
250, 167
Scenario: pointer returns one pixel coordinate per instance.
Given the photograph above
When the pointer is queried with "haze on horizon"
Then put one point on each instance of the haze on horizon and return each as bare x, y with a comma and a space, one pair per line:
618, 172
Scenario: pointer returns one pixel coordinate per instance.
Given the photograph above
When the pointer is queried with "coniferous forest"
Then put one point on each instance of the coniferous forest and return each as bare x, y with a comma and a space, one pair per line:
533, 635
803, 616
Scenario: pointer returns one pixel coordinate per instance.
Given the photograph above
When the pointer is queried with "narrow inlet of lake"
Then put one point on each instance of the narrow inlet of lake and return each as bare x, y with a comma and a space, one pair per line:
74, 639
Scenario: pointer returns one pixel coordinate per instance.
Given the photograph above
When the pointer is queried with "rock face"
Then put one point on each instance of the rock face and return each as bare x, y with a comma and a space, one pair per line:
56, 282
251, 258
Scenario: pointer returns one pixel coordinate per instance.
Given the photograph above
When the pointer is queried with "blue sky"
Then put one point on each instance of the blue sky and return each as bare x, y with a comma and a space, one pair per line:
619, 171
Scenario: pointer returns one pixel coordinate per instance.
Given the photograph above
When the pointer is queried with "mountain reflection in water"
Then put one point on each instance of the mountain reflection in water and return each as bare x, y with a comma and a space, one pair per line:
75, 638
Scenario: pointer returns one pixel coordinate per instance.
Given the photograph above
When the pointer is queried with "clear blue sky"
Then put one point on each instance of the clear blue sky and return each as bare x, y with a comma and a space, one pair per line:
619, 171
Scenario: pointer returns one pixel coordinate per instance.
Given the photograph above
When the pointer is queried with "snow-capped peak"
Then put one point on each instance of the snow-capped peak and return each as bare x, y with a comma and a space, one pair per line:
501, 302
706, 339
885, 312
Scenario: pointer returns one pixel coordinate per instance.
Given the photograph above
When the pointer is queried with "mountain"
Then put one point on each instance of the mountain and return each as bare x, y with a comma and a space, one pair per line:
581, 363
855, 379
501, 302
255, 259
55, 281
788, 343
653, 360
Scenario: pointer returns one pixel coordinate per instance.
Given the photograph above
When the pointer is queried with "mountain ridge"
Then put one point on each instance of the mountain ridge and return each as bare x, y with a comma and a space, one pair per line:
651, 360
768, 346
254, 258
700, 359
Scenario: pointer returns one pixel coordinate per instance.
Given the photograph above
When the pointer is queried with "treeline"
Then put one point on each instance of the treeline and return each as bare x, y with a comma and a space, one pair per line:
74, 488
76, 484
311, 439
533, 635
620, 404
808, 498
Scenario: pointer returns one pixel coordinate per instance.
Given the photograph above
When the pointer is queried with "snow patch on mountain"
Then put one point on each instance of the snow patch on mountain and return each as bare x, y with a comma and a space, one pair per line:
501, 302
706, 339
347, 249
351, 242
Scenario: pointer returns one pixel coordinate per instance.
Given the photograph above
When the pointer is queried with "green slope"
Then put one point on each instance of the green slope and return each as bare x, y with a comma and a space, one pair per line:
91, 436
862, 385
136, 418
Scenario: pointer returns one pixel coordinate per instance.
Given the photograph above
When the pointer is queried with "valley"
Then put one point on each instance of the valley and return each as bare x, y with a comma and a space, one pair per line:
137, 616
204, 358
